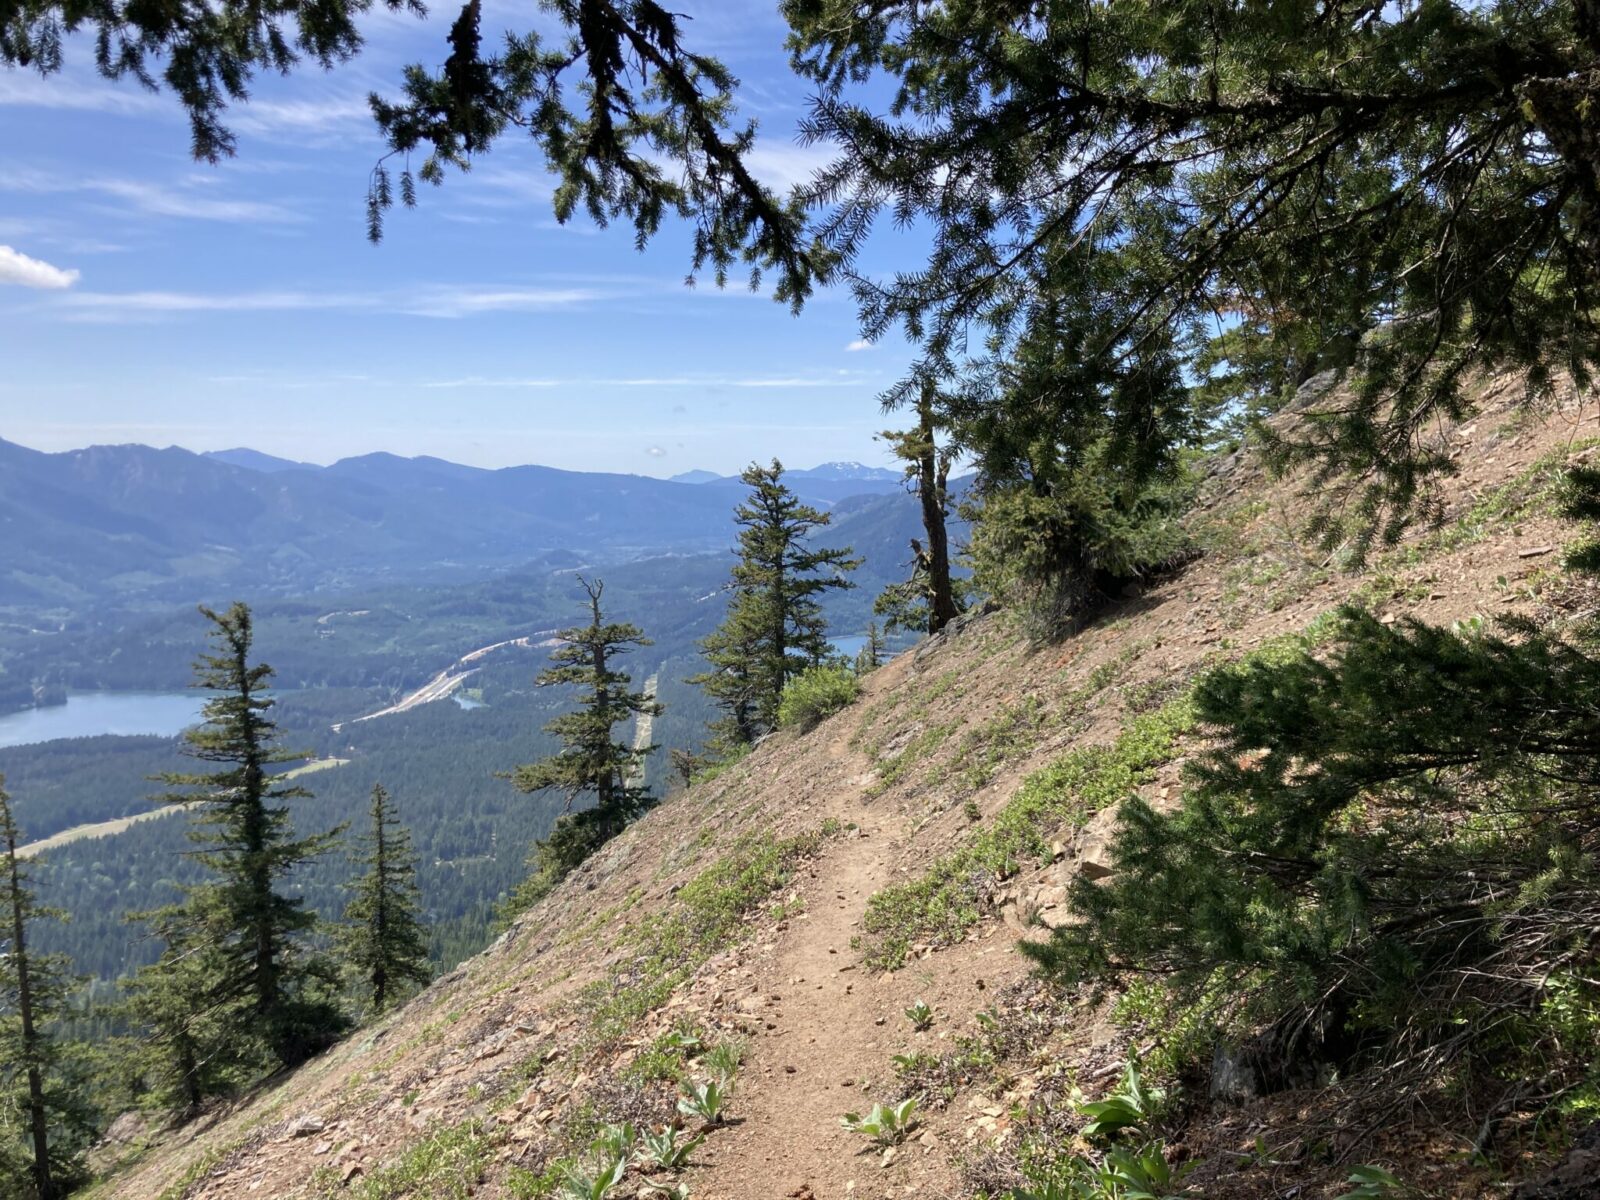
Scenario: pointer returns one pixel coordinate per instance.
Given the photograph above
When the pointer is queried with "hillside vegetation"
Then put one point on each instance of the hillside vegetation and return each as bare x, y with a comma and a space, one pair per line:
838, 920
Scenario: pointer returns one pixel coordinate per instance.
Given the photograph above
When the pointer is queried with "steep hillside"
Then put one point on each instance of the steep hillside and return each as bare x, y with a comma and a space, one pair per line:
796, 905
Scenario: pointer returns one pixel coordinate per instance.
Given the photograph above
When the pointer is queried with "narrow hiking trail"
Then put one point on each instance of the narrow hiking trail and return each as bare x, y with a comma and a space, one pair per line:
816, 1040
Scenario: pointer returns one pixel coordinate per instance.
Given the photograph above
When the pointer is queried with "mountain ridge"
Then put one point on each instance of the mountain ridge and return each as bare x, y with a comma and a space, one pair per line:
799, 903
136, 524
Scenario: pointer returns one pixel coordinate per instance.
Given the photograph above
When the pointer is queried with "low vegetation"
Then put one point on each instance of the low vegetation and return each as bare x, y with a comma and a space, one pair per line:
670, 945
946, 902
885, 1124
815, 694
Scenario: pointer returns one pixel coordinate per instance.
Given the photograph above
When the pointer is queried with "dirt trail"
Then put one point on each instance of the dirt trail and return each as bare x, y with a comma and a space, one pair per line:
821, 1036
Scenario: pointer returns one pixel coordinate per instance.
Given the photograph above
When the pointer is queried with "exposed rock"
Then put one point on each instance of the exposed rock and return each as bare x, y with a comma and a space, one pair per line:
1094, 856
1233, 1078
129, 1127
305, 1125
492, 1045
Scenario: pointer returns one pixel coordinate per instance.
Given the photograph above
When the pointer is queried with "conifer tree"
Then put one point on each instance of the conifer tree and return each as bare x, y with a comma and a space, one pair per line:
592, 763
189, 1048
930, 587
247, 840
383, 938
1066, 508
48, 1129
774, 628
870, 657
1385, 859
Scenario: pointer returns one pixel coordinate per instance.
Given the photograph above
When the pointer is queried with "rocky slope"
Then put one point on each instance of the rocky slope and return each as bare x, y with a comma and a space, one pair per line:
794, 907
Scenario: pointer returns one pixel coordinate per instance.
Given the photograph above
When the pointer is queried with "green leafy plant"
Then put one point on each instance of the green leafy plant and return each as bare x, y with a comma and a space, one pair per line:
1372, 1183
616, 1141
1131, 1106
666, 1151
684, 1042
704, 1100
920, 1016
1122, 1174
584, 1185
887, 1125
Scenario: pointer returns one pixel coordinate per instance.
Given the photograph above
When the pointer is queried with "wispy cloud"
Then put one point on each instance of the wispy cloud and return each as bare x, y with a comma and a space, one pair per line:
443, 302
48, 232
505, 187
783, 165
165, 202
17, 268
346, 114
151, 198
24, 89
840, 380
858, 345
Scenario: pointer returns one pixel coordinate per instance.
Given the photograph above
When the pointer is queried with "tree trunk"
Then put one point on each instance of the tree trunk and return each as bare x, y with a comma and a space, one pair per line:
37, 1126
931, 480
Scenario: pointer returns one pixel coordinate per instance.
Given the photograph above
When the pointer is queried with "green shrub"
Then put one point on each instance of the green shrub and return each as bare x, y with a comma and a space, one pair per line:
723, 1061
448, 1164
1379, 860
886, 1124
815, 694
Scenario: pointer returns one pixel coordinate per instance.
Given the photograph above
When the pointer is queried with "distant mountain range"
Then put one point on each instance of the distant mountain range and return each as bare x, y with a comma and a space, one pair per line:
134, 524
823, 485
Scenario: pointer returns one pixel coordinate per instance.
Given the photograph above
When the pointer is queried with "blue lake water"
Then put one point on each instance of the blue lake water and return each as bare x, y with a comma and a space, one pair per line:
89, 714
849, 646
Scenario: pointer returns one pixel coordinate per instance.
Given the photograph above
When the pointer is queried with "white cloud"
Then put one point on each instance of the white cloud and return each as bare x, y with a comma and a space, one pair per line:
656, 451
783, 165
151, 198
859, 344
349, 113
652, 381
439, 302
25, 89
17, 268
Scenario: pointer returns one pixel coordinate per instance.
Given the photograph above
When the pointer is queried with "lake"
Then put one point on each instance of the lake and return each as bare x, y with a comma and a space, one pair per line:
89, 714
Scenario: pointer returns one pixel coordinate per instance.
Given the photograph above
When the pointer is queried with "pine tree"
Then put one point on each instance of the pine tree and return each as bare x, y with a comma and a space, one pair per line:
1067, 510
1385, 860
47, 1147
592, 762
870, 657
930, 587
1411, 189
248, 842
655, 133
189, 1047
383, 938
774, 628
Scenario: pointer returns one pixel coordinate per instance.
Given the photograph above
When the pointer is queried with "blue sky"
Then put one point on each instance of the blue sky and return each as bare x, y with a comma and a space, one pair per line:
148, 298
